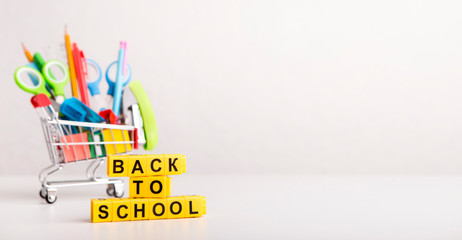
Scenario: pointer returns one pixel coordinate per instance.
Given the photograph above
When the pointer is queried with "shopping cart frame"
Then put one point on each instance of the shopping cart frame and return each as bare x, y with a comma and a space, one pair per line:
55, 132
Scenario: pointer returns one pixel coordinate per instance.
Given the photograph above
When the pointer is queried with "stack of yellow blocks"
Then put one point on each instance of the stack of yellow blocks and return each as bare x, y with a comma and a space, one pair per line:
150, 187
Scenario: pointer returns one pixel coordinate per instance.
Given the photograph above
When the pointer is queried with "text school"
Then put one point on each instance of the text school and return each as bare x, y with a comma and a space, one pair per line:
128, 209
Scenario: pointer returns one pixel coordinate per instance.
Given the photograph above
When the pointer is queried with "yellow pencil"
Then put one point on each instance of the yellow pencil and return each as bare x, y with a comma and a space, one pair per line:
28, 55
70, 59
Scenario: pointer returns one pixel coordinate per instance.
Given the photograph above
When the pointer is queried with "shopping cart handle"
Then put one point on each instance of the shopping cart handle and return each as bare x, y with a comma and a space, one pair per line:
40, 100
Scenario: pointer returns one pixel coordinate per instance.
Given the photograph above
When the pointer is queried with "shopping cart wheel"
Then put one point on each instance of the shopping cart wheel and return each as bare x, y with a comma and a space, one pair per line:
115, 190
43, 193
119, 189
110, 190
51, 196
119, 193
51, 199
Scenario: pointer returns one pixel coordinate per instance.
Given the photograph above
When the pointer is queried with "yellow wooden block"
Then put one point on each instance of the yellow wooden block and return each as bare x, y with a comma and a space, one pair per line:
168, 187
195, 206
155, 164
117, 166
138, 187
139, 209
121, 209
116, 135
137, 166
158, 186
176, 207
175, 164
101, 210
157, 208
129, 209
146, 165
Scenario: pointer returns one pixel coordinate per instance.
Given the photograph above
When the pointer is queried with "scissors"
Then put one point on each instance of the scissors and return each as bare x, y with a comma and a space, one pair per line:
38, 79
93, 86
111, 82
98, 103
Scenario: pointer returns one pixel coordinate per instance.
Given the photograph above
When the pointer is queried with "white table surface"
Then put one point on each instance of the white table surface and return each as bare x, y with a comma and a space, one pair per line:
253, 207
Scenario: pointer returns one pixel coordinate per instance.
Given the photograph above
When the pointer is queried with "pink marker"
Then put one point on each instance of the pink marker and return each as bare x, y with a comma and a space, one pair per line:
124, 68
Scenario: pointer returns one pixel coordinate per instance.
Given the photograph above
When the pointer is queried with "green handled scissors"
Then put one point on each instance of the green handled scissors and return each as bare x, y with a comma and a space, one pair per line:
39, 87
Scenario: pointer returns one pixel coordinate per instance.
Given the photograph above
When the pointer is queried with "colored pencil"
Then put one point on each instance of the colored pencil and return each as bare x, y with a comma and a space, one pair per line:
80, 74
118, 82
70, 60
28, 55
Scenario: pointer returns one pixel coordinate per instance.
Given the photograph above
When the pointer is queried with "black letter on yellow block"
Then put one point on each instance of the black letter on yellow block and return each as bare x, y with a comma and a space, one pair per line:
152, 187
138, 185
103, 209
170, 164
154, 209
137, 167
118, 164
139, 210
118, 211
190, 208
152, 165
179, 208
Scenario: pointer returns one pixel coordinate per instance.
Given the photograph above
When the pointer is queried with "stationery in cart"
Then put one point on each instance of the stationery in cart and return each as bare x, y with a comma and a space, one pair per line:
78, 133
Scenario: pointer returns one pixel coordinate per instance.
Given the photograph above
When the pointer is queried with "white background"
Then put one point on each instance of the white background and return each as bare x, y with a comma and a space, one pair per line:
321, 87
284, 89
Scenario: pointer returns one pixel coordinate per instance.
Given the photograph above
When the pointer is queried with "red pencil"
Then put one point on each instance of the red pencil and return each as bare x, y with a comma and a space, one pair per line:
79, 70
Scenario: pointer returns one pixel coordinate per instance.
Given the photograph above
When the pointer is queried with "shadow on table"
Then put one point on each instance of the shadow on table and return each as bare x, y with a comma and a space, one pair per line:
188, 228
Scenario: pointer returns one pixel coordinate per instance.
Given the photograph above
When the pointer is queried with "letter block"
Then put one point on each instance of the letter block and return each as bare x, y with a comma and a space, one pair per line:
158, 186
126, 209
121, 209
195, 206
117, 166
139, 209
157, 208
138, 187
137, 166
156, 164
101, 210
146, 165
175, 164
176, 207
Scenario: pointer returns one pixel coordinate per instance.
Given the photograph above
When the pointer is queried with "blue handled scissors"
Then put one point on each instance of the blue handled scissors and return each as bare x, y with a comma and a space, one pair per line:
93, 86
111, 82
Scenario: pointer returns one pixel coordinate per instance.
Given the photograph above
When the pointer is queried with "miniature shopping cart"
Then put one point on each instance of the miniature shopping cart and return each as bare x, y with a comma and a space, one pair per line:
71, 142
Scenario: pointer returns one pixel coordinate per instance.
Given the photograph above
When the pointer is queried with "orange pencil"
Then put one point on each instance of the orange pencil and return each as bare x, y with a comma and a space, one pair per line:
28, 55
70, 60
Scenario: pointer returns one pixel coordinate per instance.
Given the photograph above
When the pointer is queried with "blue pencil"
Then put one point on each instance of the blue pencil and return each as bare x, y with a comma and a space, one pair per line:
118, 82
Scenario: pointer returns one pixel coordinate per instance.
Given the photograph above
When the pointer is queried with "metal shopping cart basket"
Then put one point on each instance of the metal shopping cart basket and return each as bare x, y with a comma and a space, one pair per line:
71, 142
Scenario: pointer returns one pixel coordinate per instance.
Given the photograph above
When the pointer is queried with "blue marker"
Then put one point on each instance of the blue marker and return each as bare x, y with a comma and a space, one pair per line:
118, 83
